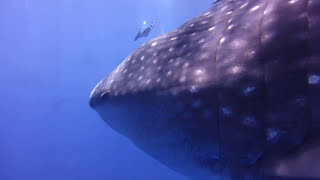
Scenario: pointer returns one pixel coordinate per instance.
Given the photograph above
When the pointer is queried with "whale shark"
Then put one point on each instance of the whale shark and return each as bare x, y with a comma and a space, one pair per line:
231, 94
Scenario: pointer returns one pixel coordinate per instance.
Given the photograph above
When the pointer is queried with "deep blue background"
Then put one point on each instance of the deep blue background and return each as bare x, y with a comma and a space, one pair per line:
52, 54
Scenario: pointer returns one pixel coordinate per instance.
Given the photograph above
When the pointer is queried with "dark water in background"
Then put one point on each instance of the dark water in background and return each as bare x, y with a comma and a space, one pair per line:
52, 54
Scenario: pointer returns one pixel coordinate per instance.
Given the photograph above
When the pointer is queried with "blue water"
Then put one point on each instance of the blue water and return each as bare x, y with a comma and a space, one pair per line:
52, 54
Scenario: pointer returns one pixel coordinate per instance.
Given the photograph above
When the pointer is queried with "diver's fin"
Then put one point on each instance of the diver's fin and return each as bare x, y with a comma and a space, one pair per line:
215, 1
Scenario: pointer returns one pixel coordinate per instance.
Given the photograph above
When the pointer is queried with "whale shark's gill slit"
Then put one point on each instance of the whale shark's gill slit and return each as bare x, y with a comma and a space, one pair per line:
263, 63
314, 62
309, 121
221, 39
309, 98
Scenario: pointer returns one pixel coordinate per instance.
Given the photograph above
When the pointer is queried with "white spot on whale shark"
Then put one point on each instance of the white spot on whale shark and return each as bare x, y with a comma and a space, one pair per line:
174, 38
212, 28
247, 91
292, 1
254, 8
197, 103
226, 111
272, 135
314, 79
249, 121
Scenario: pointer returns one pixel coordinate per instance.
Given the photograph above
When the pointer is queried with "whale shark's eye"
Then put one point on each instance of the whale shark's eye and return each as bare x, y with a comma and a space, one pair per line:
105, 95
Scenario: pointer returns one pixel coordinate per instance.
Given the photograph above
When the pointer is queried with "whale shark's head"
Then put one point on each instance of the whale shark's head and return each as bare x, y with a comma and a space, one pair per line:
232, 93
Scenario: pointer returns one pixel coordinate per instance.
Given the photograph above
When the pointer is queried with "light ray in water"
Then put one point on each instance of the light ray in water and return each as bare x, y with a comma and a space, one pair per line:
26, 4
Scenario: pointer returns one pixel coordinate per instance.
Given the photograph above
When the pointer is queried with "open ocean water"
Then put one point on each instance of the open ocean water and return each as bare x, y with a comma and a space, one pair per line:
52, 54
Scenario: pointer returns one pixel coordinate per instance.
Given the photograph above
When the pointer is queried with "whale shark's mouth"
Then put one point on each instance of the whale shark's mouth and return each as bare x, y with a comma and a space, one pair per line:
174, 129
231, 94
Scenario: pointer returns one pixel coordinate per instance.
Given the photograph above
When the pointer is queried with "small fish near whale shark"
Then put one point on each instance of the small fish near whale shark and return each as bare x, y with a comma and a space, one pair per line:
144, 33
232, 94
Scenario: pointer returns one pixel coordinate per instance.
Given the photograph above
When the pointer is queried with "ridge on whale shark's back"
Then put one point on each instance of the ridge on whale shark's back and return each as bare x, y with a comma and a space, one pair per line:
231, 94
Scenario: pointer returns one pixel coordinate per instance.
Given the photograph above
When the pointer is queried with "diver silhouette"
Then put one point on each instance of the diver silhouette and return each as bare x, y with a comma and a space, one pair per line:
145, 32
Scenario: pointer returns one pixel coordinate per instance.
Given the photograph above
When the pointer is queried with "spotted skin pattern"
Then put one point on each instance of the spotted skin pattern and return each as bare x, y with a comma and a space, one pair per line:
231, 94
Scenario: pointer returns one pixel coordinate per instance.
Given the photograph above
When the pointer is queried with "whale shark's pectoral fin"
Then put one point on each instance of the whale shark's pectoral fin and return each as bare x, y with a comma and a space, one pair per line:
137, 36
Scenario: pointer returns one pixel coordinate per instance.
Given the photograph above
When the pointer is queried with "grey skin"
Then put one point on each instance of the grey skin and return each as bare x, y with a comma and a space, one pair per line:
232, 94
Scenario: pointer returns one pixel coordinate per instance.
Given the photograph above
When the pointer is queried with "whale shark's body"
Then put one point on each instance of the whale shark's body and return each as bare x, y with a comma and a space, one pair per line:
231, 94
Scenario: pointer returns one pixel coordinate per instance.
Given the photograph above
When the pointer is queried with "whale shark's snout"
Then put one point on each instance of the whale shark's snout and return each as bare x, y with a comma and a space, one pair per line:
231, 94
182, 118
98, 96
